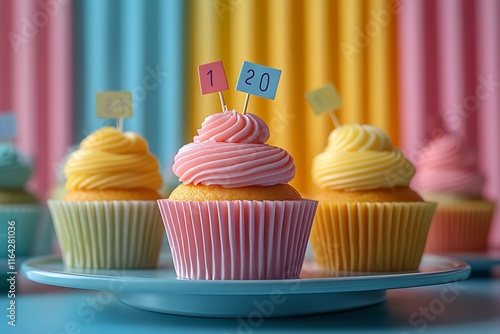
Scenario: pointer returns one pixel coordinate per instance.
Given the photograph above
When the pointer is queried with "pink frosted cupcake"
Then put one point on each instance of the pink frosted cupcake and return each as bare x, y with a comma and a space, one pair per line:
235, 216
447, 174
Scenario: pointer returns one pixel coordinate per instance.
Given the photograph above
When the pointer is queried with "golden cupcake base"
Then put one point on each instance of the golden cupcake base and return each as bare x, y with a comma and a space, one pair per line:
371, 237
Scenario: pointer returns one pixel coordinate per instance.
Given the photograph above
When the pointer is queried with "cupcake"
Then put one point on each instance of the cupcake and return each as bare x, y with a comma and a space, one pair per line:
235, 217
109, 217
19, 209
447, 174
368, 219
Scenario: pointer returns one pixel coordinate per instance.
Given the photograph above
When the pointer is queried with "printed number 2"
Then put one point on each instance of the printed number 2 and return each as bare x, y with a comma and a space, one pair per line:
264, 75
250, 77
211, 80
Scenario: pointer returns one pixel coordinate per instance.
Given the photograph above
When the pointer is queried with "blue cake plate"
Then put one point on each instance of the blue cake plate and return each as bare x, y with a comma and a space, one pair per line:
316, 291
479, 261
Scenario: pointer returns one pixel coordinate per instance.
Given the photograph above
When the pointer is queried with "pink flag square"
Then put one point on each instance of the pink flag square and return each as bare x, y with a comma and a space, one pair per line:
212, 77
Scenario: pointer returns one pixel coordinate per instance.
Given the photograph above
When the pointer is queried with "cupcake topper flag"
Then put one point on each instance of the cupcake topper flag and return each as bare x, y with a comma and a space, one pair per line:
8, 126
325, 98
213, 79
114, 104
258, 80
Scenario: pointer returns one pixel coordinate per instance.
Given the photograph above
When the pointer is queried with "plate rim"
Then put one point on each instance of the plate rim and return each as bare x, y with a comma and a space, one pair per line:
376, 281
478, 261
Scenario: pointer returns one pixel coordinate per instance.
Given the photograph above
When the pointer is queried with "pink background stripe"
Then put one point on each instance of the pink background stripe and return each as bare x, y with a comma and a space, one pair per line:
451, 63
414, 109
60, 84
488, 56
5, 58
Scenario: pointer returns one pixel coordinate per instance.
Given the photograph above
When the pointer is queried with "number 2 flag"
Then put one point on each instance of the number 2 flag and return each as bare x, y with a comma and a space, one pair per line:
212, 77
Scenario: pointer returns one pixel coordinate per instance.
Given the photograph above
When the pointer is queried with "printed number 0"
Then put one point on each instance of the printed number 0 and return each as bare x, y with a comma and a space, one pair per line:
267, 83
265, 75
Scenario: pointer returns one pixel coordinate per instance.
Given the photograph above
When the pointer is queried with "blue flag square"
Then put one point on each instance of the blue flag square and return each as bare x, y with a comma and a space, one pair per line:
8, 126
258, 80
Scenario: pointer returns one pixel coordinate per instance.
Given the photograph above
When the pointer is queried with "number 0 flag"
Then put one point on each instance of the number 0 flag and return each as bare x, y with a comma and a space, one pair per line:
212, 77
258, 80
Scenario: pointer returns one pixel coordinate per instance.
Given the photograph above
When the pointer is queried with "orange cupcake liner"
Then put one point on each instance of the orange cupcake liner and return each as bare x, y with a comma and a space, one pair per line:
371, 237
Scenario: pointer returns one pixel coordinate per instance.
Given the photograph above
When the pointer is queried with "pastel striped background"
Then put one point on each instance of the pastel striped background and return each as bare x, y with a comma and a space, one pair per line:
68, 50
414, 68
137, 46
313, 43
36, 78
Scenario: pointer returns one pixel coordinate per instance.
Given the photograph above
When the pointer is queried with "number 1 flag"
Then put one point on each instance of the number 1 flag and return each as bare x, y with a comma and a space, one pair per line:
212, 77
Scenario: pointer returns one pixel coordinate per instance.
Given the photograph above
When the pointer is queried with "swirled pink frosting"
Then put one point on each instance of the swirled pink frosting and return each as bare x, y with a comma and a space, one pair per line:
229, 151
232, 127
448, 166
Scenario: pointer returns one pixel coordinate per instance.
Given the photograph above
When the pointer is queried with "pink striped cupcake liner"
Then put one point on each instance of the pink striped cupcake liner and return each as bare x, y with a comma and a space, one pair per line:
238, 240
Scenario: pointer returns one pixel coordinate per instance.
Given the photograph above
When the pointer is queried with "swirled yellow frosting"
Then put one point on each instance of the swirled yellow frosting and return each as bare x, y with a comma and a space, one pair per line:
109, 159
360, 157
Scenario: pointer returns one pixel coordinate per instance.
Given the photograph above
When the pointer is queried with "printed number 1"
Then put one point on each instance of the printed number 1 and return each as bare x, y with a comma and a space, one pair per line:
211, 80
264, 75
318, 100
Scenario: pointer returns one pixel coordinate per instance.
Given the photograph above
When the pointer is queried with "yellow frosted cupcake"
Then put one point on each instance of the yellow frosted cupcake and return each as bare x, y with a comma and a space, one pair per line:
368, 219
109, 217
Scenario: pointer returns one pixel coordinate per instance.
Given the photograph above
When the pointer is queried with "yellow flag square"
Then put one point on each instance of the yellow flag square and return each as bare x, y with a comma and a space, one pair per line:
114, 104
325, 98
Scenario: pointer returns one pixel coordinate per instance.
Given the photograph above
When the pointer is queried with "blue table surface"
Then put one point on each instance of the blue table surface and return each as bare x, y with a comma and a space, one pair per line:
471, 306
